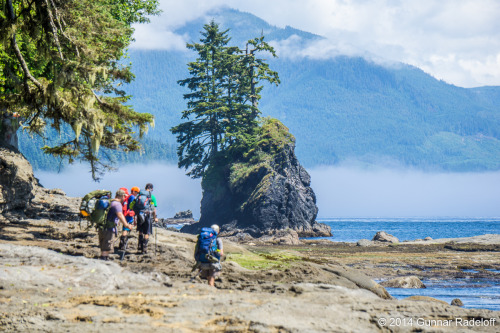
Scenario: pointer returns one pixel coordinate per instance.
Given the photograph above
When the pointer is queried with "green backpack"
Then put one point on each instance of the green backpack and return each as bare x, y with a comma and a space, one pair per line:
94, 208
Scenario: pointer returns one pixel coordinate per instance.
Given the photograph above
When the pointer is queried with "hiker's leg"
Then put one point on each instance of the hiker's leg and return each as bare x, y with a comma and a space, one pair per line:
145, 245
211, 278
106, 242
140, 242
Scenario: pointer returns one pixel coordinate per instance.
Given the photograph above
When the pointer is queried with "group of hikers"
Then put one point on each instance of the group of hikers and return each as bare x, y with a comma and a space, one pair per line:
138, 209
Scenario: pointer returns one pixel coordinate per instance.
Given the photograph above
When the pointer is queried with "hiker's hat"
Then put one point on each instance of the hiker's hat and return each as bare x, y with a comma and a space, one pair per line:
135, 189
215, 227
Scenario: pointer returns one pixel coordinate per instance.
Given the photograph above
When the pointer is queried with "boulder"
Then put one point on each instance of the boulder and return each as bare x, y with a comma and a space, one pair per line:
457, 302
21, 192
428, 238
17, 182
406, 282
384, 237
259, 193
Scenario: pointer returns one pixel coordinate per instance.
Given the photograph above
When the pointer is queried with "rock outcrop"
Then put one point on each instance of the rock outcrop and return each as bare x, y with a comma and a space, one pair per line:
264, 190
384, 237
20, 191
17, 182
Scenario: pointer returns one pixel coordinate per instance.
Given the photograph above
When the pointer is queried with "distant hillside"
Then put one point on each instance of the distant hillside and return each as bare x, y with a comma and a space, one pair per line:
342, 109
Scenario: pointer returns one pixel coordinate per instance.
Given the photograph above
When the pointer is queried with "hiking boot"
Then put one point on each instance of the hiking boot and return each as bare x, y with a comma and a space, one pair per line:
145, 246
140, 243
123, 241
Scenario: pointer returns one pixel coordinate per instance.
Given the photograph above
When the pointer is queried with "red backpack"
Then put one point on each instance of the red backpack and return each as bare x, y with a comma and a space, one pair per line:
126, 210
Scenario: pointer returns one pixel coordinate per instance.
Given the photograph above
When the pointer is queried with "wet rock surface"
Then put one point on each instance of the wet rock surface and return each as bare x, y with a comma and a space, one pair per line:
404, 282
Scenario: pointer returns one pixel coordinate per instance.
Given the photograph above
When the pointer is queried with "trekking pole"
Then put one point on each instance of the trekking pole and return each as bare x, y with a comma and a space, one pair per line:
156, 237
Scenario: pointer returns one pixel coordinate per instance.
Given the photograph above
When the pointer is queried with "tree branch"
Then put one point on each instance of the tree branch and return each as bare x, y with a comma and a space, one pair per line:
54, 29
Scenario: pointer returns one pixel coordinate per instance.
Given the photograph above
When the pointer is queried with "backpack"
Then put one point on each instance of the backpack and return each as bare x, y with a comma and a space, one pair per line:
126, 210
94, 208
206, 246
142, 202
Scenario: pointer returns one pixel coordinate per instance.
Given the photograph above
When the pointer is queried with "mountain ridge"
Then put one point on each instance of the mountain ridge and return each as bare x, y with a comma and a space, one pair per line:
340, 109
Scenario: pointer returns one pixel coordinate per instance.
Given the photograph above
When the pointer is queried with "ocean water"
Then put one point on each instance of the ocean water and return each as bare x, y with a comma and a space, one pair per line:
354, 229
474, 293
478, 293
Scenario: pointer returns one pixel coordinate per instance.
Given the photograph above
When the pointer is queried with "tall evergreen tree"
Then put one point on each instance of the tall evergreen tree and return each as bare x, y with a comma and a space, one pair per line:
222, 105
61, 65
201, 137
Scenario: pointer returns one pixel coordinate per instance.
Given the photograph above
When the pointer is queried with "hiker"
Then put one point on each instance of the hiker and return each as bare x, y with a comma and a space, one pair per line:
208, 254
129, 215
115, 216
145, 210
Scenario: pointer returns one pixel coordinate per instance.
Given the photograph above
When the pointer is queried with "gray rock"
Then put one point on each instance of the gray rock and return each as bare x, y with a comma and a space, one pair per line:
364, 242
428, 238
17, 181
457, 302
406, 282
21, 191
382, 236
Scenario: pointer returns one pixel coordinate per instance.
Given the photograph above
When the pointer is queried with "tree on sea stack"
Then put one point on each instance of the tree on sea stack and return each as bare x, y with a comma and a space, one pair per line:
251, 179
61, 65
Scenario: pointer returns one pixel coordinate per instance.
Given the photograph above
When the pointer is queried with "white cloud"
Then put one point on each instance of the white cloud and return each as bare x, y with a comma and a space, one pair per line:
457, 41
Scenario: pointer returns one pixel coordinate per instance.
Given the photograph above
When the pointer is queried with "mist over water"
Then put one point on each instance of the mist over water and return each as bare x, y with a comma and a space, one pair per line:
174, 191
340, 191
353, 192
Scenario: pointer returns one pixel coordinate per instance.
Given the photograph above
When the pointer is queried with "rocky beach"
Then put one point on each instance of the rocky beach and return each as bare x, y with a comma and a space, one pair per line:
51, 281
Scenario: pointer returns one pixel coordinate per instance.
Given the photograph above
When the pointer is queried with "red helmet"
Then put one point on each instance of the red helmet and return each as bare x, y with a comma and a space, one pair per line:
124, 189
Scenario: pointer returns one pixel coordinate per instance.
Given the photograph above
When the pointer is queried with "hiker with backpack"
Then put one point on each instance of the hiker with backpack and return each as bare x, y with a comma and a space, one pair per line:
208, 253
114, 216
144, 207
129, 214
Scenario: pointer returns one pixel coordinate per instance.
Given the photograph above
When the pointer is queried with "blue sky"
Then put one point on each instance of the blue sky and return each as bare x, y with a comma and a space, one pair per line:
457, 41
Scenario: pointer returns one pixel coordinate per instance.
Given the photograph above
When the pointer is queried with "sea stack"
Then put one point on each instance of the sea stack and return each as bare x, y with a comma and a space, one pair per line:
263, 191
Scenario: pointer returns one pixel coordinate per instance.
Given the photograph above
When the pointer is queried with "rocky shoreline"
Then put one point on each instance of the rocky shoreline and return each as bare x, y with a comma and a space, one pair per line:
51, 281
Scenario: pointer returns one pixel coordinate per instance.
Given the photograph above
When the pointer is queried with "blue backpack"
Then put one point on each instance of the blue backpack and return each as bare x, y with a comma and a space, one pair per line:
142, 202
207, 246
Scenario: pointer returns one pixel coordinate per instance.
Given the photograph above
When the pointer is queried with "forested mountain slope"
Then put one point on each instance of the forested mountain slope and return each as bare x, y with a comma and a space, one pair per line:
342, 109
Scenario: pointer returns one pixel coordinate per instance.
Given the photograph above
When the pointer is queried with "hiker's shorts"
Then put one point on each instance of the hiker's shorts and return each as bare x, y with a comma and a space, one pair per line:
210, 270
144, 223
106, 239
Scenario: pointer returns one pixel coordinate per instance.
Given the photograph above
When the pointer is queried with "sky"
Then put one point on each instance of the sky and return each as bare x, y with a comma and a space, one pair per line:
457, 41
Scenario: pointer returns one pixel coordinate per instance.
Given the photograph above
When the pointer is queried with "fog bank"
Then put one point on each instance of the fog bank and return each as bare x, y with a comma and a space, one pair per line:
340, 191
173, 190
352, 192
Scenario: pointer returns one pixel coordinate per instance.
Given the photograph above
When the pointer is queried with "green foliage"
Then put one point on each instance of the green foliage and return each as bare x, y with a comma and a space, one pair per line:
222, 104
61, 65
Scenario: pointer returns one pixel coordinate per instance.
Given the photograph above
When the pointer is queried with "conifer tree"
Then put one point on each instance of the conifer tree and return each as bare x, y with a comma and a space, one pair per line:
201, 137
222, 104
61, 64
